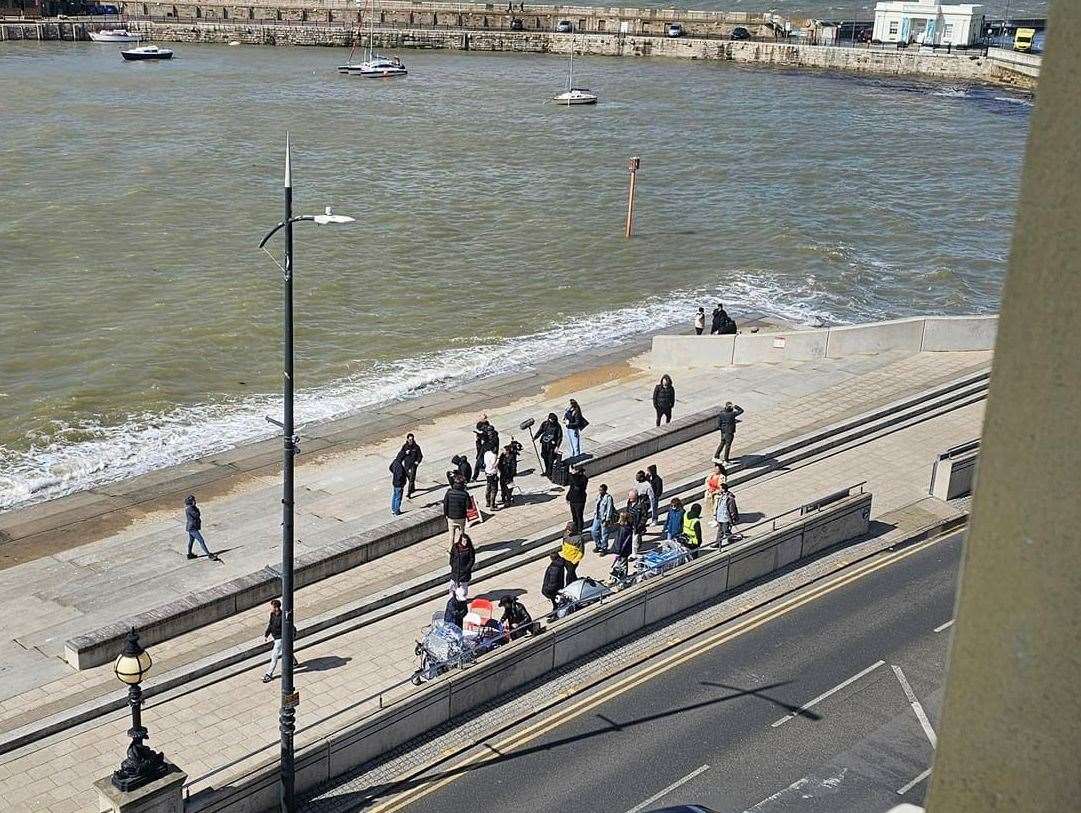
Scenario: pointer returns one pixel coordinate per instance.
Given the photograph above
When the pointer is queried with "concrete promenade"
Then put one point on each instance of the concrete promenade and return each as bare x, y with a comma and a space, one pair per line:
198, 725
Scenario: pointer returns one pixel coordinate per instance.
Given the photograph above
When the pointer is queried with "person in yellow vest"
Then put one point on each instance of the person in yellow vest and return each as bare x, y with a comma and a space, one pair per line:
692, 529
714, 480
572, 551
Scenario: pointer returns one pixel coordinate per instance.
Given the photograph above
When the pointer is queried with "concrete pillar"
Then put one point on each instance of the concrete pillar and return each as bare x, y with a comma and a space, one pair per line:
1010, 732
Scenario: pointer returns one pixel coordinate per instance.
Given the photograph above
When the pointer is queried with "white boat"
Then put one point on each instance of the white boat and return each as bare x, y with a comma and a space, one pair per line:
576, 96
375, 66
114, 35
146, 52
573, 95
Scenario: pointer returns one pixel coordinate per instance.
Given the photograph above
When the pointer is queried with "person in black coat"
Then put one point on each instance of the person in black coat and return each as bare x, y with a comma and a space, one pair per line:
726, 423
480, 440
550, 435
516, 619
507, 464
193, 524
455, 506
554, 578
664, 398
459, 468
457, 609
720, 318
657, 484
463, 556
412, 456
398, 478
576, 497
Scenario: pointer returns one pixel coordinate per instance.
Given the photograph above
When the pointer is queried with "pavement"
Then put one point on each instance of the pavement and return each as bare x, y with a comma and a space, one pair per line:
830, 705
345, 668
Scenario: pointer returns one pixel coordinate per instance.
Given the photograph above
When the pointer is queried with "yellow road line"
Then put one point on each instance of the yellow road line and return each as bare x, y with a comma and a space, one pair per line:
568, 713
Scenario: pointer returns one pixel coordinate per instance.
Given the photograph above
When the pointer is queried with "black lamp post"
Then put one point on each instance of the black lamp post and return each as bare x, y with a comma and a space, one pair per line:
289, 696
141, 765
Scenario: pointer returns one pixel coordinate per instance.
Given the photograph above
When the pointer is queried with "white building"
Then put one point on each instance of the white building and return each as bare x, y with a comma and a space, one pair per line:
928, 22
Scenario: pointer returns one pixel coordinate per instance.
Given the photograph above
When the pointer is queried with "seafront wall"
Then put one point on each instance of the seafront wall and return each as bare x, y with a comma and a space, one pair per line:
618, 35
917, 334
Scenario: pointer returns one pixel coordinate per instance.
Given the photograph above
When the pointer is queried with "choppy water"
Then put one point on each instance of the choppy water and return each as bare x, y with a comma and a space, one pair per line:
139, 324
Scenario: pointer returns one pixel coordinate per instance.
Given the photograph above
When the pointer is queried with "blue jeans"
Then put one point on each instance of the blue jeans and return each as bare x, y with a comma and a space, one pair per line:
600, 533
574, 442
396, 500
196, 536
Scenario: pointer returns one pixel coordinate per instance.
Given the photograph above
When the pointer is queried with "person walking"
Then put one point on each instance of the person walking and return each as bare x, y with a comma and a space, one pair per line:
727, 514
550, 435
673, 523
664, 398
647, 497
603, 513
699, 321
411, 455
718, 320
491, 476
193, 524
576, 422
726, 423
463, 556
576, 497
572, 551
555, 578
713, 487
455, 506
657, 484
274, 630
398, 479
692, 529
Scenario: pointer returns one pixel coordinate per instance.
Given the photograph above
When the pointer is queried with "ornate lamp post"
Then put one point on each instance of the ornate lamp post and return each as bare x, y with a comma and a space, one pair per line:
141, 765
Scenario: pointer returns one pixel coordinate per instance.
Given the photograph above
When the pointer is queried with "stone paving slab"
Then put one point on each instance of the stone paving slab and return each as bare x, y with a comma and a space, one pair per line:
197, 727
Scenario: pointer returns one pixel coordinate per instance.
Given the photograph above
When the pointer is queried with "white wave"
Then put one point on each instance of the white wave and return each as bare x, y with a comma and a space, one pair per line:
150, 441
1014, 100
953, 93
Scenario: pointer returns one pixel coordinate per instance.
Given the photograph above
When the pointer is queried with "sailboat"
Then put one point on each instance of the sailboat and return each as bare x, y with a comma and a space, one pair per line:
375, 66
573, 95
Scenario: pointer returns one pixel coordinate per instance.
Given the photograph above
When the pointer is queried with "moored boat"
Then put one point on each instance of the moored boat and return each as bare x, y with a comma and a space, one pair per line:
146, 52
114, 35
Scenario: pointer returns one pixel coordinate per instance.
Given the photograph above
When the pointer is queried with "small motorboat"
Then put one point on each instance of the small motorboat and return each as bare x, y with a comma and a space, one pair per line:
146, 52
114, 35
376, 67
576, 96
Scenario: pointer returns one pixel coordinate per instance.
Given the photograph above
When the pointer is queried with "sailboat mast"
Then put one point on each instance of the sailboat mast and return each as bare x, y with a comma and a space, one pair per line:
371, 30
570, 73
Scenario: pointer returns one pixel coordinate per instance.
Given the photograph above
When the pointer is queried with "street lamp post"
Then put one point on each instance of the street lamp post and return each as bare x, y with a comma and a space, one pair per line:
141, 764
289, 696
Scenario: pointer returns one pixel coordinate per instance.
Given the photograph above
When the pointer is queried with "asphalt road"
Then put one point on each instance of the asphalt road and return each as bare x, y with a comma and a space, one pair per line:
830, 706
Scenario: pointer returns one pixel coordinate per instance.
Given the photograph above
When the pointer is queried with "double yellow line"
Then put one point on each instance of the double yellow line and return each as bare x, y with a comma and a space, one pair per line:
577, 709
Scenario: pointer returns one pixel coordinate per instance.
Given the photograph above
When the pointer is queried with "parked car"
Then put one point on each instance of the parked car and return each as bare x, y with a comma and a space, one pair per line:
674, 30
516, 24
564, 27
740, 33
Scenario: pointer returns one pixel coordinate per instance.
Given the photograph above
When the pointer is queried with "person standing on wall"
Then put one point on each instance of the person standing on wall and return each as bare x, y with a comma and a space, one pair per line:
726, 423
700, 321
412, 456
576, 497
550, 435
463, 556
398, 479
193, 524
602, 518
576, 422
727, 514
664, 398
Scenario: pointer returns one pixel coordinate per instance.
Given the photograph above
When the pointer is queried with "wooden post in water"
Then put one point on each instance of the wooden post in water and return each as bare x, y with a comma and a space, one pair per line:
632, 165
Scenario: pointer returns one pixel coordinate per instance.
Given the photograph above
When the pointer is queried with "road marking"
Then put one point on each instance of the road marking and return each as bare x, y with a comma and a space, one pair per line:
826, 694
640, 807
916, 707
945, 626
914, 782
663, 665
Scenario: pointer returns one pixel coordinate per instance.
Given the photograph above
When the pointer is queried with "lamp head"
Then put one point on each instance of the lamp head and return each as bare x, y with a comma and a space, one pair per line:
329, 217
133, 664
